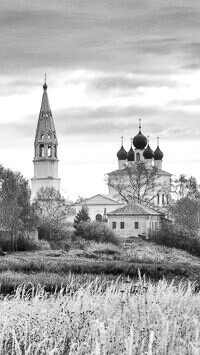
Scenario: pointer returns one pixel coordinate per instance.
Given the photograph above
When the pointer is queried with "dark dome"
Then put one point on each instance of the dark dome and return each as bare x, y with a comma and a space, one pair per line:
148, 153
131, 155
158, 154
139, 141
122, 154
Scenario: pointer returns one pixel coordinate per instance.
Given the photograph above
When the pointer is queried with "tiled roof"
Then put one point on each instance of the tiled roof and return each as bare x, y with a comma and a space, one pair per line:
135, 209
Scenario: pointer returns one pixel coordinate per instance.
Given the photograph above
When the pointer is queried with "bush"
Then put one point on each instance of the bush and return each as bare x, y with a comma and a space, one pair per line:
82, 216
172, 237
97, 231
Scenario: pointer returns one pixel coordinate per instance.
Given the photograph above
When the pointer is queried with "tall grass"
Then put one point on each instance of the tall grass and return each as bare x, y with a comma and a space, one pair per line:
119, 319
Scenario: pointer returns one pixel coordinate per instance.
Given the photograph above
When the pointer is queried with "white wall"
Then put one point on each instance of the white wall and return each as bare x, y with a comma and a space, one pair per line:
145, 223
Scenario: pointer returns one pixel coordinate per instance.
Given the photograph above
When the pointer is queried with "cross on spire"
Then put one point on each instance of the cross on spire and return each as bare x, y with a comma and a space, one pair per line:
140, 124
45, 82
122, 140
158, 141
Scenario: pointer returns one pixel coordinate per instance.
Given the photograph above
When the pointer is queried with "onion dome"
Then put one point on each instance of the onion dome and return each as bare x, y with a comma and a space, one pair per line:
131, 154
139, 141
158, 154
122, 153
148, 153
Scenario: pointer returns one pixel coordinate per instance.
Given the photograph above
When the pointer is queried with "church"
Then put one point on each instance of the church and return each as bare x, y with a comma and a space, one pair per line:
140, 176
113, 207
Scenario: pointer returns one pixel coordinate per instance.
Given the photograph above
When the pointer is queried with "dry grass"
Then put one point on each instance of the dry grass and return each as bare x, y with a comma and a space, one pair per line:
158, 319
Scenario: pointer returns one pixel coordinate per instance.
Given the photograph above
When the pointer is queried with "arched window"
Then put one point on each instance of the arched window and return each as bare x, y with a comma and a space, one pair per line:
55, 151
49, 150
54, 133
41, 151
49, 135
98, 217
137, 156
41, 135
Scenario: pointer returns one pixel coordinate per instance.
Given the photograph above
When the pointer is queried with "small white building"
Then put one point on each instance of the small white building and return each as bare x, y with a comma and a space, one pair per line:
98, 206
134, 220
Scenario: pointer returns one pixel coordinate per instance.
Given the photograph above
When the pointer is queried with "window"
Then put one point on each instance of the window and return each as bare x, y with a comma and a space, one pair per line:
163, 199
55, 151
122, 224
137, 156
114, 225
167, 199
49, 135
136, 225
49, 150
41, 135
41, 151
158, 199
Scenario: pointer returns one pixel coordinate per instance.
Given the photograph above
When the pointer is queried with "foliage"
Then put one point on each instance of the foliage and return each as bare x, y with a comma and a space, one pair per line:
136, 184
173, 237
81, 216
96, 231
51, 209
16, 214
185, 187
22, 243
122, 318
185, 213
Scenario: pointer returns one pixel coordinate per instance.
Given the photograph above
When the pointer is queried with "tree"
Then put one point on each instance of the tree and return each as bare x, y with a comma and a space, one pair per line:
136, 184
16, 214
51, 209
184, 186
186, 212
82, 216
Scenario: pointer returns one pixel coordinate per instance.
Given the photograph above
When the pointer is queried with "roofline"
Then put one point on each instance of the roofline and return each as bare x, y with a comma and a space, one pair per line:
84, 201
135, 214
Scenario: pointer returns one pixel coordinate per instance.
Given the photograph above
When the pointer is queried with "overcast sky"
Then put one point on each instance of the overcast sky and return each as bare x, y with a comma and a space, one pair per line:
108, 62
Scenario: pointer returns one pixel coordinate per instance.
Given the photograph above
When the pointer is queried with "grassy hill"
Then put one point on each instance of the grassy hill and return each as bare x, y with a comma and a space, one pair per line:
53, 268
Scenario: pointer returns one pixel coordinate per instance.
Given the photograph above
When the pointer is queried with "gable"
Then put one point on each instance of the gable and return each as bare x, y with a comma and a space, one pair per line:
99, 200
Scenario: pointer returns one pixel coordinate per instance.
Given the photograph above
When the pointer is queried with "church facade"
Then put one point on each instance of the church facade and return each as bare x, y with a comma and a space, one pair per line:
45, 149
140, 175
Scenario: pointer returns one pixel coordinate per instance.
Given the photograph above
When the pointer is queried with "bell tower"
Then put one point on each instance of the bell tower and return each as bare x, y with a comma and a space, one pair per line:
45, 149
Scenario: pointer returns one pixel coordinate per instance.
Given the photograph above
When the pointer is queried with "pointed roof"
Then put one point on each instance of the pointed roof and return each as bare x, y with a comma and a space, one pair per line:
45, 123
45, 107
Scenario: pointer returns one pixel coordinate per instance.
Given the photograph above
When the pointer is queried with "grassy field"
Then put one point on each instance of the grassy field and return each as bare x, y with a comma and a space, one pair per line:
54, 268
116, 319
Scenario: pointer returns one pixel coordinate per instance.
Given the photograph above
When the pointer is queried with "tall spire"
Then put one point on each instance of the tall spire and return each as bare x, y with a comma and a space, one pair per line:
45, 107
45, 146
45, 132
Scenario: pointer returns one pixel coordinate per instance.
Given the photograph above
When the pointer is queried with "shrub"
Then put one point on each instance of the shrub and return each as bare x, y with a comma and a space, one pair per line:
172, 237
82, 216
97, 231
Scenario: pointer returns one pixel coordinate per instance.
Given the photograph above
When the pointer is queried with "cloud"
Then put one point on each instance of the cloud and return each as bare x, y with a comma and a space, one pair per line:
91, 34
